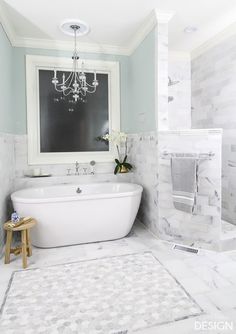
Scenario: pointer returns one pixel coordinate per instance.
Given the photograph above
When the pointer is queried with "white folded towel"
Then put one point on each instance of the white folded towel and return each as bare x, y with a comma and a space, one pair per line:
184, 183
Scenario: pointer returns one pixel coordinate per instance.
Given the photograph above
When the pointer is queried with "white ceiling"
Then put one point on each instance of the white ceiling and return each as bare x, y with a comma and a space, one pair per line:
115, 22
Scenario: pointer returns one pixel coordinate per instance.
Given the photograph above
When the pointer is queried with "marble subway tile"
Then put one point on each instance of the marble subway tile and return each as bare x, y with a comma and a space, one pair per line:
7, 171
143, 150
213, 101
179, 114
204, 227
22, 167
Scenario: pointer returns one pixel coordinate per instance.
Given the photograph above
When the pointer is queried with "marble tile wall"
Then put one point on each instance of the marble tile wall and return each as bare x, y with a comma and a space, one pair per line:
22, 166
142, 153
179, 108
203, 229
6, 180
103, 171
213, 106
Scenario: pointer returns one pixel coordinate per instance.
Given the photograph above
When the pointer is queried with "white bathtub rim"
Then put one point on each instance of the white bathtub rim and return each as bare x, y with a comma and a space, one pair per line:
15, 197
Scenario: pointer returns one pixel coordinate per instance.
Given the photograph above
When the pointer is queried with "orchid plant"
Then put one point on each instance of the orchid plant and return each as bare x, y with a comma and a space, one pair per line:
119, 140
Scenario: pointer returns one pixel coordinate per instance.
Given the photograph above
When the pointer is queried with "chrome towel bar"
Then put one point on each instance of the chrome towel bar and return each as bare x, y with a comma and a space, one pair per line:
198, 156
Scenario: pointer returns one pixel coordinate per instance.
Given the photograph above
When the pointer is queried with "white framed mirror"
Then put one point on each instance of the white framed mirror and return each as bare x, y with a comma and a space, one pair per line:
61, 130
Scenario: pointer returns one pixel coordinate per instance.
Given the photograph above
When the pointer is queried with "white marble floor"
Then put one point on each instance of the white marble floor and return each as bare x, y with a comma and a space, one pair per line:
209, 277
228, 227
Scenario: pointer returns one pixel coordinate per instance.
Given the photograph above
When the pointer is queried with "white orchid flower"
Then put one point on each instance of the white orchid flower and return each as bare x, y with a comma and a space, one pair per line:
115, 137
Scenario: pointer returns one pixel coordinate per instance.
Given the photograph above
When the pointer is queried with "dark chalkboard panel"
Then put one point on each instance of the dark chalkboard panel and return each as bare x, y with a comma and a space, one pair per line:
66, 126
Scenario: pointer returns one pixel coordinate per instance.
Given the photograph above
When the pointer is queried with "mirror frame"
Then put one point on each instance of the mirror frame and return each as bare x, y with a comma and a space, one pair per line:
33, 65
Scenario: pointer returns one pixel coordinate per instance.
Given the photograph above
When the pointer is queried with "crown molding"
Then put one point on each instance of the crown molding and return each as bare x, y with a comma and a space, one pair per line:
217, 39
147, 26
36, 43
49, 44
7, 26
139, 36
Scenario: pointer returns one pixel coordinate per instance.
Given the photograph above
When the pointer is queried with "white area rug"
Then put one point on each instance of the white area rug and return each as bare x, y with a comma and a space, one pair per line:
122, 294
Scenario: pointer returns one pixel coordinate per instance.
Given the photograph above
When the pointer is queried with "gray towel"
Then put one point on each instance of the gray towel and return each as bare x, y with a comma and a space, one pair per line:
184, 183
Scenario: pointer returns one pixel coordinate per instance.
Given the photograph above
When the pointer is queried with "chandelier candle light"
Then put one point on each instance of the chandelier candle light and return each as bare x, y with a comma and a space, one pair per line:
76, 82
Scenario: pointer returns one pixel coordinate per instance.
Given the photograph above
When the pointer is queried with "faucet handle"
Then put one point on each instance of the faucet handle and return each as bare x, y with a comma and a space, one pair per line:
68, 171
92, 164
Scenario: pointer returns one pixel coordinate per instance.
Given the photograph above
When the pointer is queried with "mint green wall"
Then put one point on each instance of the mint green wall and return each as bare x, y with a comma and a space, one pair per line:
6, 93
20, 87
141, 115
137, 75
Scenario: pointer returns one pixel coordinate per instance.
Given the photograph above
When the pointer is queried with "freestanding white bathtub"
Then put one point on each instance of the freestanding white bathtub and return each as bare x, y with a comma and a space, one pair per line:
66, 216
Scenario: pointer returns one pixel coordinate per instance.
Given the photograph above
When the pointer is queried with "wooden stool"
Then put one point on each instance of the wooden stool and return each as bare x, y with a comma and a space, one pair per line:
25, 247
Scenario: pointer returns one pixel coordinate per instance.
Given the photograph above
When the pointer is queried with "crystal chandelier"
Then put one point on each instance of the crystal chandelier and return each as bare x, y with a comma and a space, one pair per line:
76, 82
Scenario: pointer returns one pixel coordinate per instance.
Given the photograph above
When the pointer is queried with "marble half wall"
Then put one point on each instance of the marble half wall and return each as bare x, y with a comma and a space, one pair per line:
142, 153
6, 180
22, 167
203, 229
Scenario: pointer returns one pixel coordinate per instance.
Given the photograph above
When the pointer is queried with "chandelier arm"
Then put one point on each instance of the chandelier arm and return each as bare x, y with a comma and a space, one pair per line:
82, 92
78, 79
68, 78
64, 83
92, 91
79, 82
72, 79
66, 93
88, 85
59, 89
94, 88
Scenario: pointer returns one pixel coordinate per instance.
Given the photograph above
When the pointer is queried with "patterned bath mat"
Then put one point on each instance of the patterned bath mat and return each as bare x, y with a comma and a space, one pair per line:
123, 294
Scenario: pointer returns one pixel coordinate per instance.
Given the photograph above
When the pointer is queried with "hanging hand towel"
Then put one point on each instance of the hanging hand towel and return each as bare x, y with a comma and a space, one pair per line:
184, 183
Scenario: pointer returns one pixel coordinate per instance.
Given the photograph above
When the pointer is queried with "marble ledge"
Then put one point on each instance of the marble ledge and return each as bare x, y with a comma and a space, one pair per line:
74, 176
22, 182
